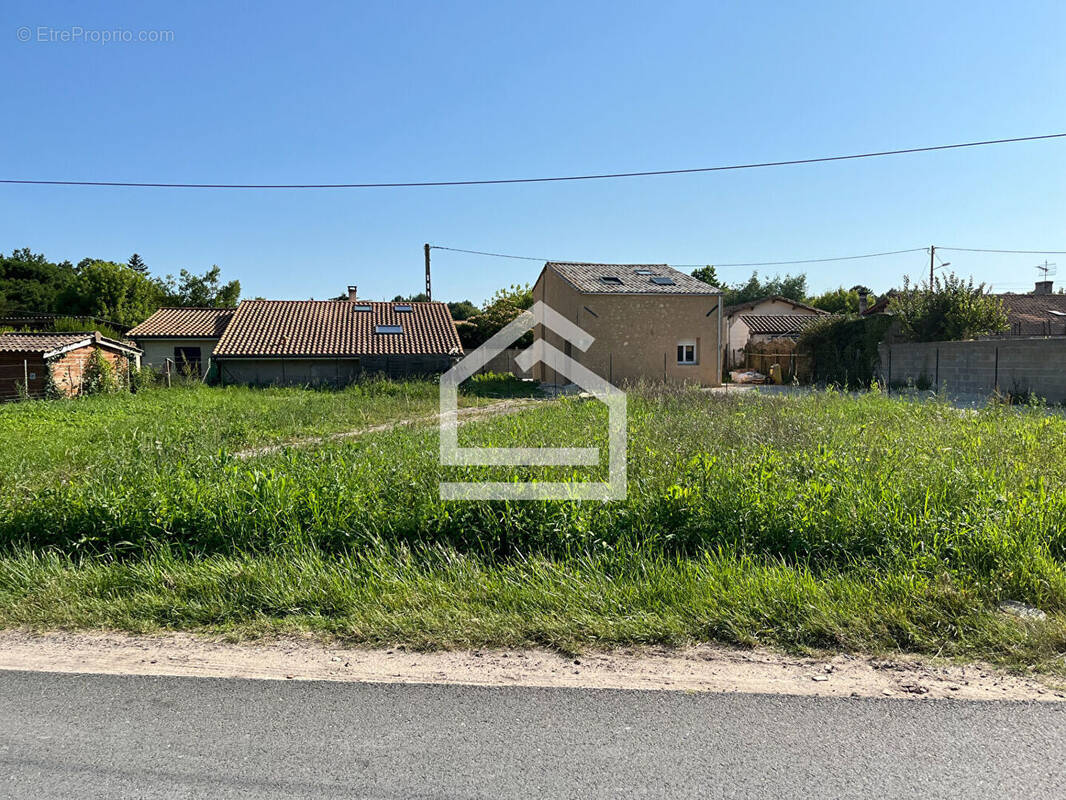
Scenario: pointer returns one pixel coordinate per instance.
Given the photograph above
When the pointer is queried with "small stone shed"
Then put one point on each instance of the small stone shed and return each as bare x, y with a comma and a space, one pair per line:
33, 357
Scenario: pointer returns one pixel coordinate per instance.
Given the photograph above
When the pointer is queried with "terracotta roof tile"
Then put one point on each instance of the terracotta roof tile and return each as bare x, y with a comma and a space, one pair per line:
21, 342
1035, 314
293, 328
629, 279
184, 322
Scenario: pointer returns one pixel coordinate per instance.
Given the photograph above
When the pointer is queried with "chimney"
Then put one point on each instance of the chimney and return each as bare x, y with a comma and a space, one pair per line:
352, 293
864, 295
1043, 287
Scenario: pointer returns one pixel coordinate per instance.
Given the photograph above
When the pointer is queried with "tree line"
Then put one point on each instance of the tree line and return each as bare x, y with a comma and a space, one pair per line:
124, 293
794, 287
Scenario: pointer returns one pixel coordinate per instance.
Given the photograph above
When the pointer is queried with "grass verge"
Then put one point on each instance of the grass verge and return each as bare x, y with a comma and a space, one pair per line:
822, 521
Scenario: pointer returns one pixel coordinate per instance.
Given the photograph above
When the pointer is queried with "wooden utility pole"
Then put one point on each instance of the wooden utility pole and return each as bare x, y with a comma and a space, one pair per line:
932, 257
429, 288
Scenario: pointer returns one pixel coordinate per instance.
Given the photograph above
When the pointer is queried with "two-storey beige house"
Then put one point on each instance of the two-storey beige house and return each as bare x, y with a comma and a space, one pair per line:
648, 321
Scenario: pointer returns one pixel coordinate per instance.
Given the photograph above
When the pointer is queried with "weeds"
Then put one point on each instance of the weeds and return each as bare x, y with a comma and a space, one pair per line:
822, 520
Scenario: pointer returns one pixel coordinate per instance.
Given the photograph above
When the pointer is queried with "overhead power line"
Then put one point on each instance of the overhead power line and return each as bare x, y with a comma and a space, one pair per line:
985, 250
693, 266
495, 181
810, 260
760, 263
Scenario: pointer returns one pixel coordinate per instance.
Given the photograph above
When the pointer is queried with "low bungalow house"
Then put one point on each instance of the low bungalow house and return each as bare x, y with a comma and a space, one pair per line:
1041, 313
183, 336
304, 341
647, 320
35, 360
743, 323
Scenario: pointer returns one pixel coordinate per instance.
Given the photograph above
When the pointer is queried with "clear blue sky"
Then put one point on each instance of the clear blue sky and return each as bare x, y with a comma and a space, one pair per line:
346, 92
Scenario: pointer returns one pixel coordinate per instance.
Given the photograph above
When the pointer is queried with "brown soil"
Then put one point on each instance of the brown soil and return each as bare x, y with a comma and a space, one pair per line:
704, 668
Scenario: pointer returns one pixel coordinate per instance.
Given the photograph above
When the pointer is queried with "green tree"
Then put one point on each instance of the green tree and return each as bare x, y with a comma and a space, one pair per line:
498, 310
112, 291
951, 309
707, 274
137, 263
793, 287
839, 300
201, 290
421, 297
462, 309
30, 282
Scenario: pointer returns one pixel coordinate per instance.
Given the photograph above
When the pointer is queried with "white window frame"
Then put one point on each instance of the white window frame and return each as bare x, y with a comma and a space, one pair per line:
695, 354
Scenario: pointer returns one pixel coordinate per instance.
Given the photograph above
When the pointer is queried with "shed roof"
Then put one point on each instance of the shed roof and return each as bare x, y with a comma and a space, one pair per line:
337, 328
629, 279
780, 324
48, 344
179, 323
751, 305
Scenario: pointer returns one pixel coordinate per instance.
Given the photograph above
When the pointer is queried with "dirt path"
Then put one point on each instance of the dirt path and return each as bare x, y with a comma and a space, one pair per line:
701, 669
465, 414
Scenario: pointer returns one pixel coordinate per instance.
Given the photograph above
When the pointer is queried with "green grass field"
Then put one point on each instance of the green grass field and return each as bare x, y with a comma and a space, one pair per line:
821, 521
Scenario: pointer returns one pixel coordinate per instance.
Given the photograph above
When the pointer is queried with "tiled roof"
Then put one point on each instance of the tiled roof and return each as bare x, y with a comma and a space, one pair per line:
1035, 314
21, 342
324, 328
184, 322
784, 324
751, 305
629, 279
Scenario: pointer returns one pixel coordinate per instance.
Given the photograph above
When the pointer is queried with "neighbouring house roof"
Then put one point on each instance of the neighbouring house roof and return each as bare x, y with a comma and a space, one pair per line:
181, 323
51, 344
337, 328
1035, 314
629, 279
779, 324
751, 305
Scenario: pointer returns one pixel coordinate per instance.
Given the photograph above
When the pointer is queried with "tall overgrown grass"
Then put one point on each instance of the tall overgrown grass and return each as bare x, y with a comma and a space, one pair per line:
822, 520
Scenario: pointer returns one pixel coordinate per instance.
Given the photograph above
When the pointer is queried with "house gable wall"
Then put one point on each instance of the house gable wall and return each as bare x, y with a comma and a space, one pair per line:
636, 336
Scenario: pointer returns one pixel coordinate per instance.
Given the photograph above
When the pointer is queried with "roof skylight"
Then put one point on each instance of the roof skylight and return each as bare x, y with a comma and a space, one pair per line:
402, 307
362, 307
388, 329
611, 279
662, 280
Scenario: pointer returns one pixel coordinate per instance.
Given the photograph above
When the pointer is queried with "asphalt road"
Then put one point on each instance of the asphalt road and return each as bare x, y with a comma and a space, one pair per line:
81, 736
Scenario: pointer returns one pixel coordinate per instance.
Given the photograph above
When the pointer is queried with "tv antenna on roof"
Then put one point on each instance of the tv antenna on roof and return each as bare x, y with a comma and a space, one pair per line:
1047, 269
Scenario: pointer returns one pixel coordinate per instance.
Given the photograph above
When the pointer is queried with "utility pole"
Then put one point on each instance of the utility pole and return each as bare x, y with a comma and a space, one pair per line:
429, 289
932, 257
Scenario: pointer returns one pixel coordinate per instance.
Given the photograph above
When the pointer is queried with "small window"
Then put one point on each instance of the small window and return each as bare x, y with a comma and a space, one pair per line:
644, 271
362, 307
611, 279
662, 280
388, 329
187, 360
686, 352
403, 307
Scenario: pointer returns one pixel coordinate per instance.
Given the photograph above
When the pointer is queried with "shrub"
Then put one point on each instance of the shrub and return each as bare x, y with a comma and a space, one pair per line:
844, 351
100, 376
952, 309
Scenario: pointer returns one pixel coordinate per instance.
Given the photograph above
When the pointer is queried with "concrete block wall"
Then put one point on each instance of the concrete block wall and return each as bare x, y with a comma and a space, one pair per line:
1021, 365
503, 362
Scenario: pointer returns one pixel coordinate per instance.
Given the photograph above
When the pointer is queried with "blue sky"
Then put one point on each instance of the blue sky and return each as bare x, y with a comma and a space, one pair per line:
368, 92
